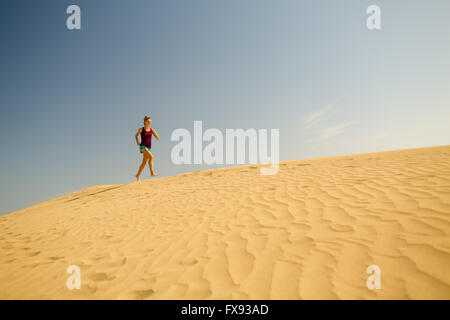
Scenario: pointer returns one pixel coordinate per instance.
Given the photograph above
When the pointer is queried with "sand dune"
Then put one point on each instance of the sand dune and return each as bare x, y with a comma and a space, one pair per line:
308, 232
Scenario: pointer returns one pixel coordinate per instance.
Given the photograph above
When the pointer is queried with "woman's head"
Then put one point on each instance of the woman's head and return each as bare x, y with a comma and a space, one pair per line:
147, 120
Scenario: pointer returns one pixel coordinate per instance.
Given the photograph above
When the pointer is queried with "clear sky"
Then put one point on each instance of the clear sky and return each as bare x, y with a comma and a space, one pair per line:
71, 101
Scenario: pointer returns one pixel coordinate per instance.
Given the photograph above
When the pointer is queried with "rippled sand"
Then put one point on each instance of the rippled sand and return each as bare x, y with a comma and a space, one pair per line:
308, 232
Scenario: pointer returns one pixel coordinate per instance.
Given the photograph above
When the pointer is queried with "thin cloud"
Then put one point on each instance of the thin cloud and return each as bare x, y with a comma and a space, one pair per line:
315, 117
380, 135
335, 130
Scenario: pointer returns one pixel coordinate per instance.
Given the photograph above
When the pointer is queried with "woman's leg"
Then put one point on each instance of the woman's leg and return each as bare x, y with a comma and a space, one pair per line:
150, 162
144, 162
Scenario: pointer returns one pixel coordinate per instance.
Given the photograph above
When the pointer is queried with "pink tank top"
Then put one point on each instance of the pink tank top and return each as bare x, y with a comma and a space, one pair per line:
146, 138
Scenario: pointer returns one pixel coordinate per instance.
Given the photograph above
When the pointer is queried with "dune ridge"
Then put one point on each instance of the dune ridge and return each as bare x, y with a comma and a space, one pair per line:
308, 232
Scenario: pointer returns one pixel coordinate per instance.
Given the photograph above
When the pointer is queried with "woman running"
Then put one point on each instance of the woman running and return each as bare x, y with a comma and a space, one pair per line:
145, 146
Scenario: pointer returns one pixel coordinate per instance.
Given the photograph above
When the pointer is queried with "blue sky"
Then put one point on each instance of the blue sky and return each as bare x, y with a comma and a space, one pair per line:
71, 101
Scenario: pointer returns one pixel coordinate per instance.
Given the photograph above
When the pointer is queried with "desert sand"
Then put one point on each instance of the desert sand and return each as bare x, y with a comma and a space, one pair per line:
308, 232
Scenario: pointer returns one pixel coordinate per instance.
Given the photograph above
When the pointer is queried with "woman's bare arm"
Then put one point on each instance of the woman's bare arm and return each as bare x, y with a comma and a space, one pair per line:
156, 134
136, 136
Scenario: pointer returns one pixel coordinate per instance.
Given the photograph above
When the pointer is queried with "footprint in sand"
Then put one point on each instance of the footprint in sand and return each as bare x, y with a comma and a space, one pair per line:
189, 262
117, 263
137, 294
32, 254
100, 276
54, 258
